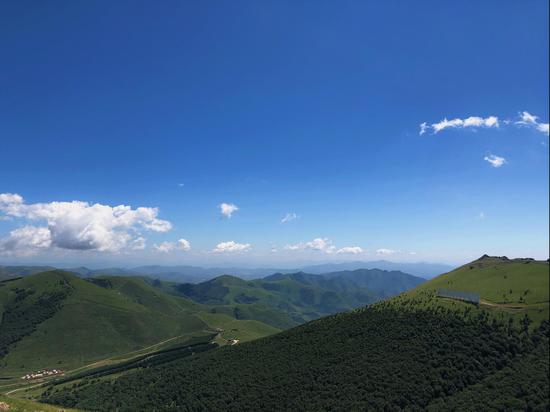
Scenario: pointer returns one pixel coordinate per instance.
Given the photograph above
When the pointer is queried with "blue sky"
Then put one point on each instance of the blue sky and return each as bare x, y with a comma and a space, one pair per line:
277, 107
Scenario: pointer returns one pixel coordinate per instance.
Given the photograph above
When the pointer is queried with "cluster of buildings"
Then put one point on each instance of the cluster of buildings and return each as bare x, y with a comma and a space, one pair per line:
42, 374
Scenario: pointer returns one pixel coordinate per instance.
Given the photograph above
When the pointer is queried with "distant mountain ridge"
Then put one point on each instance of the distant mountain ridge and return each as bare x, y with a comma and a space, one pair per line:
284, 300
417, 351
196, 274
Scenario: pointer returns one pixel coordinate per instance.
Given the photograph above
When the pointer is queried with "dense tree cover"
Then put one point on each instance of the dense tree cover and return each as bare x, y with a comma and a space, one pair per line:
284, 300
24, 313
521, 386
194, 346
380, 358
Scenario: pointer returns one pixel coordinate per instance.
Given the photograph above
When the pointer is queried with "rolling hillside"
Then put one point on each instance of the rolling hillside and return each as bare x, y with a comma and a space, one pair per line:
508, 288
286, 300
417, 351
55, 319
10, 272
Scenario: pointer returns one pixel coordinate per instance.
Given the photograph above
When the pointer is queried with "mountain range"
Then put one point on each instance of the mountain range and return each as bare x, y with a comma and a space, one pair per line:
419, 351
57, 318
196, 274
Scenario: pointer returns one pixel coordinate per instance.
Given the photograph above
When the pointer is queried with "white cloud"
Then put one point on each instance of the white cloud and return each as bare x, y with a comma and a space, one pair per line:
526, 120
386, 252
423, 128
231, 247
481, 216
289, 217
530, 120
79, 225
496, 161
138, 243
227, 209
166, 247
26, 240
469, 122
355, 250
319, 244
184, 245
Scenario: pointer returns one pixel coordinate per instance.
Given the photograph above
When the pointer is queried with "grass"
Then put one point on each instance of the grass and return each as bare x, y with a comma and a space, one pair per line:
98, 322
508, 289
10, 404
243, 330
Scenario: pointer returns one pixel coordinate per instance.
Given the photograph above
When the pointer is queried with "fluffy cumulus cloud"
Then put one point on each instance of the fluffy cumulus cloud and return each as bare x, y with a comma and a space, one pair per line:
529, 120
494, 160
231, 247
227, 209
353, 250
77, 225
469, 122
289, 217
26, 240
166, 247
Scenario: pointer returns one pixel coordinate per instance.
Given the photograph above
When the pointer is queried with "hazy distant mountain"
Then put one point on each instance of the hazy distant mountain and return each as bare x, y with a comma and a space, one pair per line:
422, 269
9, 272
196, 274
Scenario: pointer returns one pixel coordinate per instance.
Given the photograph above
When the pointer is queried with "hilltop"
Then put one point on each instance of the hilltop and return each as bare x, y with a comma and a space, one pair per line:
508, 288
56, 319
285, 300
416, 350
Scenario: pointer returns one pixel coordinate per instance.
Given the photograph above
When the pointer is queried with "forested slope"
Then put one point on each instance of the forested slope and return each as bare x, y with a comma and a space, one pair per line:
415, 351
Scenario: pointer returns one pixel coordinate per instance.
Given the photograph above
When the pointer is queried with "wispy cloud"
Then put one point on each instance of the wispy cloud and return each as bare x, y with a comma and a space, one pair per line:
457, 123
319, 244
529, 120
227, 209
526, 119
423, 128
324, 245
386, 252
232, 247
289, 217
494, 160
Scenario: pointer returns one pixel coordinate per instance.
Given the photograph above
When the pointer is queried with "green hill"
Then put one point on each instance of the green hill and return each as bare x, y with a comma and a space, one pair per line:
55, 319
10, 272
286, 300
416, 352
9, 404
508, 288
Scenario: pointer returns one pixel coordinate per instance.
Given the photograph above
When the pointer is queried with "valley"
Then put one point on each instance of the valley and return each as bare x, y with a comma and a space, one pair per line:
464, 352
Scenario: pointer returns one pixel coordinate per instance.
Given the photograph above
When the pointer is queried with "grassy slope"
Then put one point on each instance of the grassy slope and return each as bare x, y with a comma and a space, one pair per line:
24, 405
507, 288
97, 322
366, 358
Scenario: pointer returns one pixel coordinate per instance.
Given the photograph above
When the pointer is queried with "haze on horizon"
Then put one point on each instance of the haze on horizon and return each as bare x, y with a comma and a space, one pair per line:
274, 134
